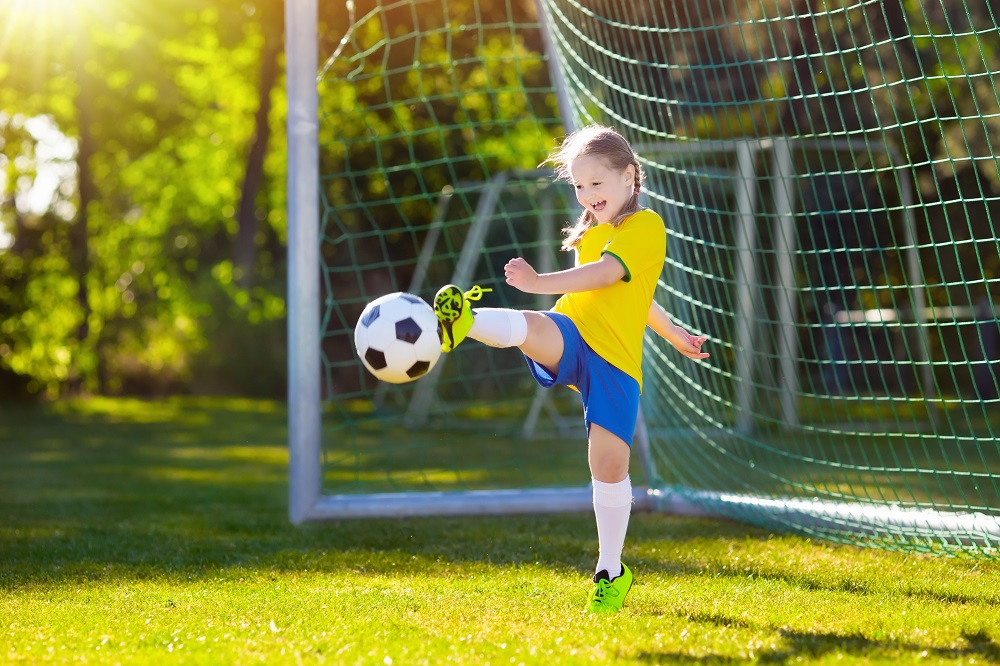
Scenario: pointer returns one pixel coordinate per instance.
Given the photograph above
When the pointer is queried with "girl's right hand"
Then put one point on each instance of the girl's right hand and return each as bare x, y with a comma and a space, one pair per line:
520, 275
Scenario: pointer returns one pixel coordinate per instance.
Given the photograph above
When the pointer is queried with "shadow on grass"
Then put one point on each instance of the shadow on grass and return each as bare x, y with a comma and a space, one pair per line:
130, 489
797, 645
850, 583
186, 487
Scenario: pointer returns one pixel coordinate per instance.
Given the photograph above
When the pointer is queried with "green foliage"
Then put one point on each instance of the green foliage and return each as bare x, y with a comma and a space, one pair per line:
249, 325
416, 100
170, 95
38, 316
429, 105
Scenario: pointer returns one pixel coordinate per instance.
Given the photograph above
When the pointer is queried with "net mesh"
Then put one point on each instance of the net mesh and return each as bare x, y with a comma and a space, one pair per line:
828, 177
433, 118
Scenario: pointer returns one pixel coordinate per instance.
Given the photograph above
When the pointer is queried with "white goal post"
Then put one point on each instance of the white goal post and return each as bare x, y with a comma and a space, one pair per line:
865, 518
306, 499
304, 419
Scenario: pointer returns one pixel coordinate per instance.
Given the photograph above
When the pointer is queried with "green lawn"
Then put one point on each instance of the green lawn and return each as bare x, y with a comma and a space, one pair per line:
136, 532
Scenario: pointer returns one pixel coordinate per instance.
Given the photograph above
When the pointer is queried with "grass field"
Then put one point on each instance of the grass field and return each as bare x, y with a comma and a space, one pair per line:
156, 533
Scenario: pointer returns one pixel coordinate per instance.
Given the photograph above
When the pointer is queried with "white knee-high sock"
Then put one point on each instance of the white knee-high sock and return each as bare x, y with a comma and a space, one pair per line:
612, 506
499, 327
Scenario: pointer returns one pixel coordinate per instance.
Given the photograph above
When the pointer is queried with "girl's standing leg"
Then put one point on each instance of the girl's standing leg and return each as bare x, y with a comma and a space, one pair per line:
609, 459
540, 339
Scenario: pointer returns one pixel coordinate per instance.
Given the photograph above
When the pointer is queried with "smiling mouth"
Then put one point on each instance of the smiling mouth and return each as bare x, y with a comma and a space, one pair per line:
598, 206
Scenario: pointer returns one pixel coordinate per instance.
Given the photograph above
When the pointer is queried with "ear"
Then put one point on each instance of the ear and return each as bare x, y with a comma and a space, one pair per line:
630, 174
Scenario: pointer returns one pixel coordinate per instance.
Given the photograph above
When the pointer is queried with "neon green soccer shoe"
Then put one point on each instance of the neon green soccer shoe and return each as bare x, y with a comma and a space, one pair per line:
454, 313
609, 595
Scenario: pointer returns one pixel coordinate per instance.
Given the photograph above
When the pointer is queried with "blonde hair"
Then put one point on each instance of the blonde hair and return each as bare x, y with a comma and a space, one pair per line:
611, 147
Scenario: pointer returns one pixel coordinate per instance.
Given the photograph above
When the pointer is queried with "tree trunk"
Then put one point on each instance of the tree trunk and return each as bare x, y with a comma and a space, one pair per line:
245, 250
78, 234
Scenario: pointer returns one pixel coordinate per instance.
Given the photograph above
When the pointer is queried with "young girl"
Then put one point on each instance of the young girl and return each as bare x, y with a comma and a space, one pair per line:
591, 340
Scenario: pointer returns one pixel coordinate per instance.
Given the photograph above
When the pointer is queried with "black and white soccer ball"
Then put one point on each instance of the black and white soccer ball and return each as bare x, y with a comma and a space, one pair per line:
397, 338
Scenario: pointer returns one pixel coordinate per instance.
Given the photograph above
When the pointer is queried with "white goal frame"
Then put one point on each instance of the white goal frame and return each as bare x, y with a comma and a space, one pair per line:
308, 503
306, 499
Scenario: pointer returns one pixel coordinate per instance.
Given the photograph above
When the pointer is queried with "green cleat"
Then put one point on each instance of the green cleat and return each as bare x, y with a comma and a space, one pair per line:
609, 595
455, 314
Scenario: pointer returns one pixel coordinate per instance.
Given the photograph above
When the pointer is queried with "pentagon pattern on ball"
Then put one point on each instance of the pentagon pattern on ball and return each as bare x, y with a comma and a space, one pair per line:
370, 316
408, 330
419, 368
375, 359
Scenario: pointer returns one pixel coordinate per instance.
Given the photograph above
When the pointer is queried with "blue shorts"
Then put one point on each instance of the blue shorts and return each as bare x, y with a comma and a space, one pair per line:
610, 396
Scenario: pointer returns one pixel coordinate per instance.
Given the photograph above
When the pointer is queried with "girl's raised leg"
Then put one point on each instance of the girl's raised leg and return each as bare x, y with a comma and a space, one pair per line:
544, 341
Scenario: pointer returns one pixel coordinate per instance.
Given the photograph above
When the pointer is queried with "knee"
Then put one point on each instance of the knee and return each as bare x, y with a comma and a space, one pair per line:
608, 455
609, 466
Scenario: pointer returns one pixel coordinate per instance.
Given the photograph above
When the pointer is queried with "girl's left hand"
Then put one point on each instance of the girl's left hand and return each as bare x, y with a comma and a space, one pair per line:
520, 275
690, 345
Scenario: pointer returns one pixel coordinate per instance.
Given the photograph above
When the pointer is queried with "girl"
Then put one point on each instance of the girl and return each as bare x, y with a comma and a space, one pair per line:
591, 340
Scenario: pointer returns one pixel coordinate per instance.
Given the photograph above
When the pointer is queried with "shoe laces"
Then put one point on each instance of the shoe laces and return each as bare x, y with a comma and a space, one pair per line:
476, 293
604, 589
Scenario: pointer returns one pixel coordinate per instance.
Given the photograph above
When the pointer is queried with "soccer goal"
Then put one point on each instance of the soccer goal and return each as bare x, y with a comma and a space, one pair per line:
828, 176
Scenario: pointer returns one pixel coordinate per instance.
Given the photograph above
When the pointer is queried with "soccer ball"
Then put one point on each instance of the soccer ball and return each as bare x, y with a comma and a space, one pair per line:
397, 338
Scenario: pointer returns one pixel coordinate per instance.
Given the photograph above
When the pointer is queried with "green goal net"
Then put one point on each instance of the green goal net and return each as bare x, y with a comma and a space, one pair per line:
828, 176
433, 119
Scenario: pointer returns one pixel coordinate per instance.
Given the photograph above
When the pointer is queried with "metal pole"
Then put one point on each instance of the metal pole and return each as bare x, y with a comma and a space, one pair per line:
546, 264
925, 376
304, 445
555, 74
423, 394
423, 264
430, 241
425, 391
642, 446
785, 246
746, 280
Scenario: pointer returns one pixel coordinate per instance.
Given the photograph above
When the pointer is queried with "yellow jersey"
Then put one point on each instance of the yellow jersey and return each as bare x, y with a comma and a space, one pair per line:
612, 319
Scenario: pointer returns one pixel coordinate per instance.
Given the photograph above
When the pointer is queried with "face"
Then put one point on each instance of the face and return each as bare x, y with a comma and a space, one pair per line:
601, 190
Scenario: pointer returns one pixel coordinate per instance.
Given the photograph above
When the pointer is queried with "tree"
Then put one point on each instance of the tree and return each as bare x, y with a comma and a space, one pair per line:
272, 30
157, 101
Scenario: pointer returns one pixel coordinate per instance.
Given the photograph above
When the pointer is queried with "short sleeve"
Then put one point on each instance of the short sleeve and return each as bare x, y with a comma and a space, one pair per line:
640, 244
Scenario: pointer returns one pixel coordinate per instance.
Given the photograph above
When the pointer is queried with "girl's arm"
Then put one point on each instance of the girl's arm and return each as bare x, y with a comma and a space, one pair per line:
684, 342
595, 275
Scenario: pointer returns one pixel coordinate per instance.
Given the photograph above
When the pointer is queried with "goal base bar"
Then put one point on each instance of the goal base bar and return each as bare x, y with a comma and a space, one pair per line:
826, 518
786, 514
462, 503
